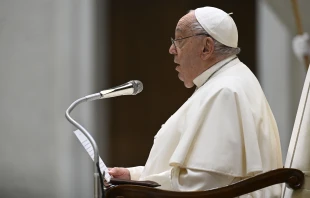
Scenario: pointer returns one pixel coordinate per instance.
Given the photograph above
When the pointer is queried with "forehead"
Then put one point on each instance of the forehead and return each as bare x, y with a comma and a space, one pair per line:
184, 24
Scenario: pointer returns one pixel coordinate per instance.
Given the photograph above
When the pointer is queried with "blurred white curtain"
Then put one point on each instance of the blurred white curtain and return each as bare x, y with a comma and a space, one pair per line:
47, 60
279, 73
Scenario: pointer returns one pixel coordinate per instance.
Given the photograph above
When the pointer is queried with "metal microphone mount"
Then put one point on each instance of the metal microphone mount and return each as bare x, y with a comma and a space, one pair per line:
131, 88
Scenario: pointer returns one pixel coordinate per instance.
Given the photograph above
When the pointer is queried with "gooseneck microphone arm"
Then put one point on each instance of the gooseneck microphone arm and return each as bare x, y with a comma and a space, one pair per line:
89, 137
131, 88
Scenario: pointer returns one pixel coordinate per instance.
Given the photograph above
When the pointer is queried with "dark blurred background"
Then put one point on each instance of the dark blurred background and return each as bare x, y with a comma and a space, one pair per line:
139, 39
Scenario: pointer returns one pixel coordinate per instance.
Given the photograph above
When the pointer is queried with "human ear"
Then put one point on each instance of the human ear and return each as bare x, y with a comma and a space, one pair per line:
208, 48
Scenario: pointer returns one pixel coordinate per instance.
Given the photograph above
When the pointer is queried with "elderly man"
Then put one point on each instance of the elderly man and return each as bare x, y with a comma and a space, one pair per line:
225, 131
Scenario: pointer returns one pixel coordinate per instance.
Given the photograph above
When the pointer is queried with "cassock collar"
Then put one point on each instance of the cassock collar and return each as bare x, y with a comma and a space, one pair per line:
204, 76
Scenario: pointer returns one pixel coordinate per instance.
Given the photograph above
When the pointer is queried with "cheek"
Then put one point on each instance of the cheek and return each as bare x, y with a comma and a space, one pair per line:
185, 59
188, 59
191, 55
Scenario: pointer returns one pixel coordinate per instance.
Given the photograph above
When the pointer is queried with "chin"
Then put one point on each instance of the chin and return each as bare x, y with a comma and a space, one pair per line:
188, 85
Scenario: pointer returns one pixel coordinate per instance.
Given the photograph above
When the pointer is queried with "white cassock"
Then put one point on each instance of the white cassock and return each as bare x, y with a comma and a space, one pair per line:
223, 133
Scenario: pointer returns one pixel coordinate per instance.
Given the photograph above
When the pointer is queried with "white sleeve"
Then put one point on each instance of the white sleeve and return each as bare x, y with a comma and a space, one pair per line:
163, 178
195, 180
180, 179
135, 172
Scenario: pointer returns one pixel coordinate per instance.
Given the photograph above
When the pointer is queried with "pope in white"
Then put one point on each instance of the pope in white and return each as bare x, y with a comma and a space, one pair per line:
225, 131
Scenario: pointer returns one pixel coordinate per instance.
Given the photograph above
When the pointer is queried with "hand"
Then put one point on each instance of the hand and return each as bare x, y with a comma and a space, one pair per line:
301, 46
120, 173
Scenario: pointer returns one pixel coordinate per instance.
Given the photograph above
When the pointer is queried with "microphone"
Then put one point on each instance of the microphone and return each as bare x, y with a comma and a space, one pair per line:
132, 87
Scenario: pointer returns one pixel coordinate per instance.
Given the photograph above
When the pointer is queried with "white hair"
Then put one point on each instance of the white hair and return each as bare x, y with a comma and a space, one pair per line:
219, 48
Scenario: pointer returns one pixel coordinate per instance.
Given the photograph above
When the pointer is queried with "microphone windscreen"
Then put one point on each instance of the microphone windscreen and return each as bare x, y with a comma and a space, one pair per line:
137, 86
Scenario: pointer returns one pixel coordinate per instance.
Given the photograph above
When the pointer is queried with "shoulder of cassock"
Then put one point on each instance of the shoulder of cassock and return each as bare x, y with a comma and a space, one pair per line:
220, 130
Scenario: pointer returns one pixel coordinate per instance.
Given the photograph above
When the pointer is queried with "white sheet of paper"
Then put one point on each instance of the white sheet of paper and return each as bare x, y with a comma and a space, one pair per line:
89, 148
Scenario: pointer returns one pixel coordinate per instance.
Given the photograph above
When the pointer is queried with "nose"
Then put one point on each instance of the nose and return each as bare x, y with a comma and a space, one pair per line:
172, 49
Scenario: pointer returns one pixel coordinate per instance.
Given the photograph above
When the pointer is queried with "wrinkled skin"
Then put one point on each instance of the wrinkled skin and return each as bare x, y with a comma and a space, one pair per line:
193, 55
120, 173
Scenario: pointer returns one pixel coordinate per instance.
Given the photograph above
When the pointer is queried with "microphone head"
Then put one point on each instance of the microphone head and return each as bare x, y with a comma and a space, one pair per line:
137, 86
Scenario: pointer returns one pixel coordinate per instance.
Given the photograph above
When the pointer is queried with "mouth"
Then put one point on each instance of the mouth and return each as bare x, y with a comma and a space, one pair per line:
177, 68
175, 60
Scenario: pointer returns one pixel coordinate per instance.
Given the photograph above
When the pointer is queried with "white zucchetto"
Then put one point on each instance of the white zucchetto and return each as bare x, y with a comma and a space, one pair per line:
218, 24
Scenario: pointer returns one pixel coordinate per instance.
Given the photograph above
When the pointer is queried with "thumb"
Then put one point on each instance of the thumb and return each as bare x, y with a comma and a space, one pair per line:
111, 170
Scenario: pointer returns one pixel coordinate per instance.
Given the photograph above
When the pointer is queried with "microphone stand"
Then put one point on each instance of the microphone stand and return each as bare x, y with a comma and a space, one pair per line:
89, 137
